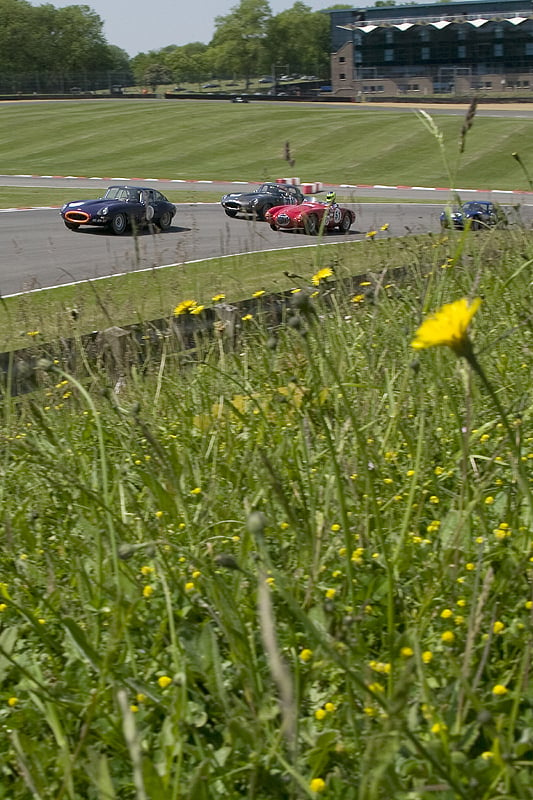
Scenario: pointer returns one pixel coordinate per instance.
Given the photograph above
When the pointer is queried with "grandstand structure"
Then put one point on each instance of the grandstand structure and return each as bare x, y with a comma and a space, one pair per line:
480, 47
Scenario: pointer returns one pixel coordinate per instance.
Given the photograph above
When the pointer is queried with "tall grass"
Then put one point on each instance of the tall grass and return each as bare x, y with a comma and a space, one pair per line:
296, 565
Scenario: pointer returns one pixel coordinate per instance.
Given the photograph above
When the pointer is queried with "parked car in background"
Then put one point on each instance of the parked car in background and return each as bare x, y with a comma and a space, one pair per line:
480, 214
120, 208
310, 217
256, 203
239, 98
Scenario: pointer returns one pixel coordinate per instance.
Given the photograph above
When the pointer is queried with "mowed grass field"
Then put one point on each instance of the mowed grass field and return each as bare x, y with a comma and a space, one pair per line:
212, 140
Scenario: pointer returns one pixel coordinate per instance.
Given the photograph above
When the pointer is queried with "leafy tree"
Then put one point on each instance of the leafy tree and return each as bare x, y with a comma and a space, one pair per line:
181, 61
44, 41
239, 38
154, 74
298, 40
18, 34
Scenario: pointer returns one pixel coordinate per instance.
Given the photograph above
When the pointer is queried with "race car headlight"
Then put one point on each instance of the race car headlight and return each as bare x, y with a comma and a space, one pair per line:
103, 211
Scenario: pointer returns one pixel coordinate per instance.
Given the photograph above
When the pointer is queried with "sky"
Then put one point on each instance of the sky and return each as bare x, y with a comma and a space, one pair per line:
137, 26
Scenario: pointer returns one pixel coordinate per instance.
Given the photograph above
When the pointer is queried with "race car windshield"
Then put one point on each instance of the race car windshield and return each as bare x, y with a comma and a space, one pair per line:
121, 193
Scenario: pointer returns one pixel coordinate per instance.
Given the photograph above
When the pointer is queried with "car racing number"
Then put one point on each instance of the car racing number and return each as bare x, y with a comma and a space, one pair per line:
334, 215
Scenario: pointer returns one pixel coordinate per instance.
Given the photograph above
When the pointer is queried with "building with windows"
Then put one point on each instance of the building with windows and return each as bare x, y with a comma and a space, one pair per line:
460, 48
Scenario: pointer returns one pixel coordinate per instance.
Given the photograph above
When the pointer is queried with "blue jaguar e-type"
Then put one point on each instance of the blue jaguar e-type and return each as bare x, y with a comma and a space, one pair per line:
121, 207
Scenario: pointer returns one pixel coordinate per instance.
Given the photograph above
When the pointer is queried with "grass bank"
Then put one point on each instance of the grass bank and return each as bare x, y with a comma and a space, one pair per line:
297, 563
137, 296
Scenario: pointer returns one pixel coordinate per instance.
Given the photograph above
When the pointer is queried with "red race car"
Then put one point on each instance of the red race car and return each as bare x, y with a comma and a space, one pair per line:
308, 217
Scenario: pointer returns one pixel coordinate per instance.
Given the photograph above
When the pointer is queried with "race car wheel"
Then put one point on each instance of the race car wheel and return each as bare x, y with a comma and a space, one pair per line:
311, 225
165, 221
261, 211
230, 212
273, 227
119, 224
72, 226
345, 224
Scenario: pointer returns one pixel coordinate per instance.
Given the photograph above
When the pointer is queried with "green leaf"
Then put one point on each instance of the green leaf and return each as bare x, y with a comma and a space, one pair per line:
79, 640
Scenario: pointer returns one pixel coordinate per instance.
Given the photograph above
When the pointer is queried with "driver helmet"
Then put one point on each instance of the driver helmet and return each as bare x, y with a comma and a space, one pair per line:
331, 197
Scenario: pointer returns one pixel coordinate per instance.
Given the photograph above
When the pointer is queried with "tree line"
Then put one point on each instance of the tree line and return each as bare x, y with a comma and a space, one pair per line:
43, 48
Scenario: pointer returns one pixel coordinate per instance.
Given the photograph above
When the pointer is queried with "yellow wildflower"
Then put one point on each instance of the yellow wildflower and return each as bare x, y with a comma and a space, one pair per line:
499, 690
185, 307
321, 275
448, 326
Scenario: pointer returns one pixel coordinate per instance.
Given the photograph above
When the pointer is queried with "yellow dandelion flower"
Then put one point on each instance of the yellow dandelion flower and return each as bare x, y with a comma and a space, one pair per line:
371, 234
164, 681
148, 591
306, 655
427, 656
217, 297
499, 690
330, 593
448, 637
320, 713
12, 701
185, 307
446, 614
197, 309
498, 627
384, 227
438, 727
358, 298
321, 275
448, 326
317, 785
259, 293
406, 652
247, 317
189, 586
